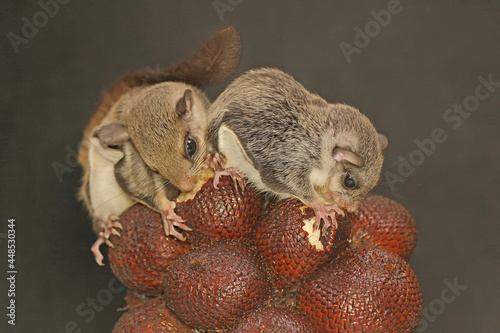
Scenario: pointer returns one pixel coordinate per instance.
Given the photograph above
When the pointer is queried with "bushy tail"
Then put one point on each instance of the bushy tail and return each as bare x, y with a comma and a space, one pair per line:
213, 64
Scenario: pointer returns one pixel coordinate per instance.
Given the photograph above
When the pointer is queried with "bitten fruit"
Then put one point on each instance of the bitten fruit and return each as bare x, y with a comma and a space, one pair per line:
285, 238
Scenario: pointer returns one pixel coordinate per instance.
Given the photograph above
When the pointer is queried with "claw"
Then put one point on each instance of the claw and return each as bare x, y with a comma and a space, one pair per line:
215, 161
117, 225
182, 226
171, 220
328, 214
95, 250
113, 218
108, 228
217, 176
219, 164
172, 216
329, 220
168, 227
236, 176
177, 235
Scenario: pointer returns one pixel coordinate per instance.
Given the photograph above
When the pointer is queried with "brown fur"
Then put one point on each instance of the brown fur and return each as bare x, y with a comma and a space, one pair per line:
213, 64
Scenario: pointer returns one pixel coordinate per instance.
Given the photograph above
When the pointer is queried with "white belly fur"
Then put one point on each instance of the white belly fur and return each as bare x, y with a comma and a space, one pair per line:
106, 196
230, 146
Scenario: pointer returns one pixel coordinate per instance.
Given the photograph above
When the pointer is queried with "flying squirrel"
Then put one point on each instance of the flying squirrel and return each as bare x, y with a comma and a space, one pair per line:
289, 142
147, 140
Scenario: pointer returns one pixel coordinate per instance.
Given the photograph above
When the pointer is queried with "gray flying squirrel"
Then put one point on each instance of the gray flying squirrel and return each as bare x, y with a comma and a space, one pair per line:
290, 142
147, 140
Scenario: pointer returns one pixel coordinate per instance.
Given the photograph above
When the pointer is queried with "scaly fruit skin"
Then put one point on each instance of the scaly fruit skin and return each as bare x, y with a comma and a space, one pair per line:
385, 223
275, 320
367, 289
210, 288
143, 251
286, 247
222, 212
150, 317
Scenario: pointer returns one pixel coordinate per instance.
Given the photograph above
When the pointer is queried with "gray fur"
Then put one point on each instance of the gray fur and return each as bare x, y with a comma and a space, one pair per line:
281, 127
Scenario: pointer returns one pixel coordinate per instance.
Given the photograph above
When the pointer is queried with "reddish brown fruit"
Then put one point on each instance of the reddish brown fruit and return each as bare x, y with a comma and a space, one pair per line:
222, 212
385, 223
212, 287
275, 320
367, 289
139, 257
292, 252
152, 316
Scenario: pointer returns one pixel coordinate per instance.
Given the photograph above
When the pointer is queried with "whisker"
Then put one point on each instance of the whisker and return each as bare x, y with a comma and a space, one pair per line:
199, 161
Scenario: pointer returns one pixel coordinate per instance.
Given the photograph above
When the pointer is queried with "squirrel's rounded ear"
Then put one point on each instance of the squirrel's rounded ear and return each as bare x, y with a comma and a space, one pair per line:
185, 104
383, 141
344, 155
113, 134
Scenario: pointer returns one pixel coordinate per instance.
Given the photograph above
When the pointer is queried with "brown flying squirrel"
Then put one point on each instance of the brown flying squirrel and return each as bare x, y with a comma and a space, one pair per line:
292, 143
146, 141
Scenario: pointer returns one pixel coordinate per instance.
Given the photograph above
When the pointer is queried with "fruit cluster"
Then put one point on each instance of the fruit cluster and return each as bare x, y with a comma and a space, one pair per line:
248, 266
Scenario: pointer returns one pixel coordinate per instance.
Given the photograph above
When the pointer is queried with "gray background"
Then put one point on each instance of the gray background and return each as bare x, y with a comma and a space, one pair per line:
427, 59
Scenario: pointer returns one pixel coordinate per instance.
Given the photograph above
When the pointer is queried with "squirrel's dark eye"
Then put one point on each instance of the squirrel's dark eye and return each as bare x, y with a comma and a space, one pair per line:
349, 182
191, 147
